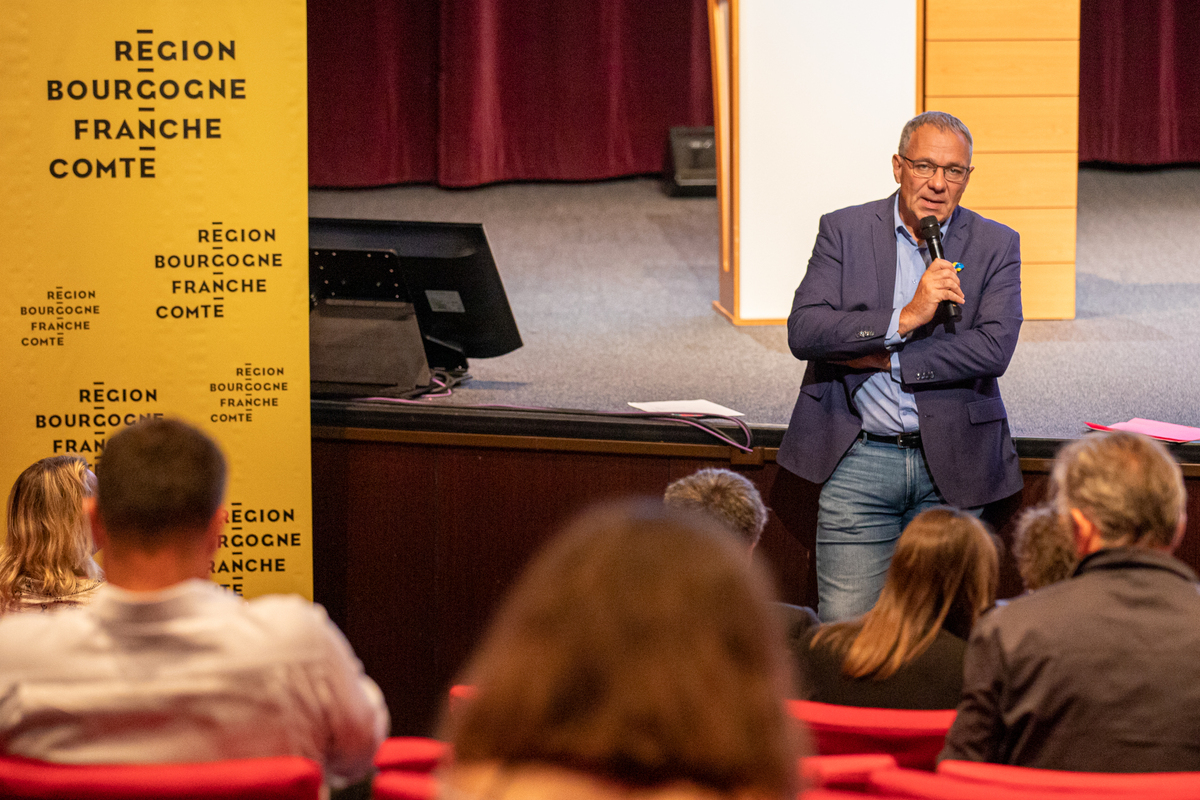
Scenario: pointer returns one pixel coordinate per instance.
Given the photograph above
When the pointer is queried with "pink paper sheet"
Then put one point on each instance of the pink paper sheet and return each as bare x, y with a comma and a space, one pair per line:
1164, 431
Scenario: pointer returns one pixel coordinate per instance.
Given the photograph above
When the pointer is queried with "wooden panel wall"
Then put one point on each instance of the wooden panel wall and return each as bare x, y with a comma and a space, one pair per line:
1010, 70
416, 544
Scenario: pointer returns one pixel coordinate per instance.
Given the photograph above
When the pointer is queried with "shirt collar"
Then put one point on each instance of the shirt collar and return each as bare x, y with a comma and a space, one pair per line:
902, 229
115, 604
1126, 557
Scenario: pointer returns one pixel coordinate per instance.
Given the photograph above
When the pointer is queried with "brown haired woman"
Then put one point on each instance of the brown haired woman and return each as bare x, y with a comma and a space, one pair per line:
637, 658
46, 559
907, 651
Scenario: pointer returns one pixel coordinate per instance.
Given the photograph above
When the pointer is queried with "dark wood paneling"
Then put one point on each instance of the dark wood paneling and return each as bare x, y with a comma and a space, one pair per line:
378, 502
1189, 549
495, 509
415, 544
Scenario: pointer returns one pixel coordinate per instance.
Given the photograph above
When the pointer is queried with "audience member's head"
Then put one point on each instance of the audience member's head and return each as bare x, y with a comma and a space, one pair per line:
159, 479
943, 575
727, 496
166, 666
157, 511
639, 647
1044, 548
48, 549
1119, 489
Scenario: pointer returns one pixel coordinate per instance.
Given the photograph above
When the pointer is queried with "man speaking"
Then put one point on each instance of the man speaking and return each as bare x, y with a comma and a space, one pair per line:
899, 409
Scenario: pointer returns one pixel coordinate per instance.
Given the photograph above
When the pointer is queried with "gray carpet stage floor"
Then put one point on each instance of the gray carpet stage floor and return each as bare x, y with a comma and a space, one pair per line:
612, 286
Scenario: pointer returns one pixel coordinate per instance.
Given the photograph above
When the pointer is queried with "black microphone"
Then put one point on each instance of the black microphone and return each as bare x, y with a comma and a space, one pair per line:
931, 232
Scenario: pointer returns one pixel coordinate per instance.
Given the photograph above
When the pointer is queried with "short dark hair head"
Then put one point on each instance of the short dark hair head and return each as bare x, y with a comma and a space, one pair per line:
729, 497
641, 645
158, 479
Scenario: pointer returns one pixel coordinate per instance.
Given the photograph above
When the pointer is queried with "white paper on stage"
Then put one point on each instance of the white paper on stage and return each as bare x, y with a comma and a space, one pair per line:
702, 407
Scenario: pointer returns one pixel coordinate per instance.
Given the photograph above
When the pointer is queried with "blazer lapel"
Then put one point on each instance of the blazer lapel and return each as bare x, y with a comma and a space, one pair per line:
884, 238
955, 244
956, 237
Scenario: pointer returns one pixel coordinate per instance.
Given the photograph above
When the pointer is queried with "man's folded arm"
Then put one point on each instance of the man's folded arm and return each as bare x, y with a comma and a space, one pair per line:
985, 349
818, 326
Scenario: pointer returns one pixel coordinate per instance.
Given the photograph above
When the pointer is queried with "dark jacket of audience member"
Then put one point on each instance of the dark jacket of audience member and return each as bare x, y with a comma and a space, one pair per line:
637, 657
1099, 672
907, 651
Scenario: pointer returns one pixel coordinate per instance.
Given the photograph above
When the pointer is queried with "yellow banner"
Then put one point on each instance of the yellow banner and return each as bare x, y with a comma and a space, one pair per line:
153, 250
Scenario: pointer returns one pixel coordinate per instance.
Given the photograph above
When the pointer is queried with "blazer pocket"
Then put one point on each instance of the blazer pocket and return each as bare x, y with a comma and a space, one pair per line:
815, 390
988, 410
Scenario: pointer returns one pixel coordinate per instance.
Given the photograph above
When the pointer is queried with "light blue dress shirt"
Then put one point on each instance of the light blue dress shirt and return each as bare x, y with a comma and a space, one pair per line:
886, 406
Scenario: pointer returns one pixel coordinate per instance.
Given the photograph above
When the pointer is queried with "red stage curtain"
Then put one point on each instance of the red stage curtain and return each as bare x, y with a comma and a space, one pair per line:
372, 92
1139, 81
466, 92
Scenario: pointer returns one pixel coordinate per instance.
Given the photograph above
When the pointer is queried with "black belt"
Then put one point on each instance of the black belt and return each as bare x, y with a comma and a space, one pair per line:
907, 440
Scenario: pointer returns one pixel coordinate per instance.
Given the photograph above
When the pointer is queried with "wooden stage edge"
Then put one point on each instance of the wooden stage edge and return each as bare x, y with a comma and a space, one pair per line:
423, 517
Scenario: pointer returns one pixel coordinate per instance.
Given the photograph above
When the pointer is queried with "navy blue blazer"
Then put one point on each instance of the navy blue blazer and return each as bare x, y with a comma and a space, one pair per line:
841, 311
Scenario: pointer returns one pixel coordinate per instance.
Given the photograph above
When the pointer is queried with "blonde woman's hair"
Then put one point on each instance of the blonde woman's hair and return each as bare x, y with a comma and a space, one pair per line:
48, 549
943, 575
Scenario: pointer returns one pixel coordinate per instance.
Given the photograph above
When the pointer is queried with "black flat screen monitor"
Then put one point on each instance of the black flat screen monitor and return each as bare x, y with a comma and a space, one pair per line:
445, 269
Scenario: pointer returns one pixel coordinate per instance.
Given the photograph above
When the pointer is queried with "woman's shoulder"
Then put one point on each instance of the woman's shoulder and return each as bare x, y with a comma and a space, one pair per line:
32, 601
948, 645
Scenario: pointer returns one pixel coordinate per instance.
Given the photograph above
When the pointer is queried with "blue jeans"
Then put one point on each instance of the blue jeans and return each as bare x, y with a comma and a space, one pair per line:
874, 492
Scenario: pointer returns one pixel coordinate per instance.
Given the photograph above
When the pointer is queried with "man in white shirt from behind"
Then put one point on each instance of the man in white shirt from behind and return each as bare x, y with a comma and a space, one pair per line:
165, 666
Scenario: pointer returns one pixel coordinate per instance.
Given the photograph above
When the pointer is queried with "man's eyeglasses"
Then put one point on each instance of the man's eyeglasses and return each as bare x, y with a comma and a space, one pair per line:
927, 169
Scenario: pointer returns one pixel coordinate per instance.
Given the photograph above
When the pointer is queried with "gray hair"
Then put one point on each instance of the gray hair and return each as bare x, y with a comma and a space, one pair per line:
940, 120
1127, 484
725, 495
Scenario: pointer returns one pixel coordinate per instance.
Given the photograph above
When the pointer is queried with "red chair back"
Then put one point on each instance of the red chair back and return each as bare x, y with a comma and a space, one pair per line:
848, 773
914, 738
839, 794
460, 694
410, 753
399, 785
923, 785
279, 778
1177, 785
937, 786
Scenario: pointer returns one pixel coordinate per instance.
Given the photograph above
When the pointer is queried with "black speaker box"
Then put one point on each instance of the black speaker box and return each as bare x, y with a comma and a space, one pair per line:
691, 162
364, 348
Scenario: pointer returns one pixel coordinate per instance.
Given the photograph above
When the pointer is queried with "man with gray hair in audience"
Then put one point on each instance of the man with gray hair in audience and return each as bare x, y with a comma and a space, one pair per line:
165, 666
725, 495
735, 502
1099, 672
